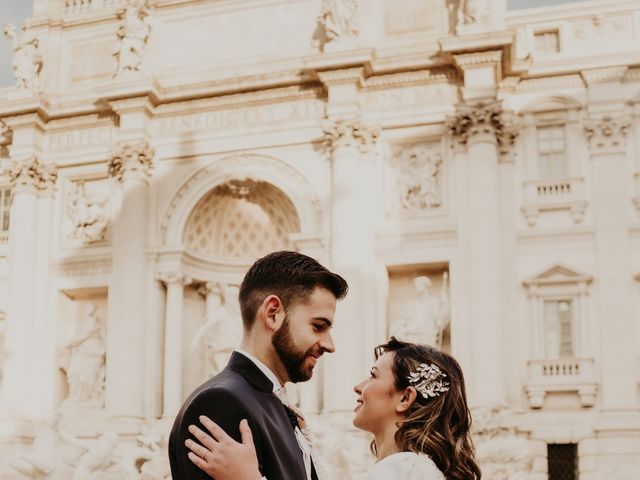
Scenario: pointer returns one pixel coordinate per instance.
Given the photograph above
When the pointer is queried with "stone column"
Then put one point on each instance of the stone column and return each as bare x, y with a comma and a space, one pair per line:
127, 339
29, 178
352, 248
480, 127
172, 390
211, 290
615, 278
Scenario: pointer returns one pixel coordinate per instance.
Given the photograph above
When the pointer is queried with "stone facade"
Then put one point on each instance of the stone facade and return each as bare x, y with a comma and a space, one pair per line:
480, 165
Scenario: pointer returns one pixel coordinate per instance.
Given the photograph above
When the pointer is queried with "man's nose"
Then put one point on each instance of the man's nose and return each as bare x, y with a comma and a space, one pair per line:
327, 344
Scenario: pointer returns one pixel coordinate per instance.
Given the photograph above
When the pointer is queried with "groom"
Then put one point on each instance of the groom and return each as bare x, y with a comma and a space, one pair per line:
287, 302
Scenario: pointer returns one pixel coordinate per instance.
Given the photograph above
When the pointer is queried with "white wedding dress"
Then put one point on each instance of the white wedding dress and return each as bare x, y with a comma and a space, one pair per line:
405, 466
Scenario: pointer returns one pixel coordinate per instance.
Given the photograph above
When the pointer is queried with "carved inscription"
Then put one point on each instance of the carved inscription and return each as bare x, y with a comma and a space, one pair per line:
239, 117
80, 138
400, 97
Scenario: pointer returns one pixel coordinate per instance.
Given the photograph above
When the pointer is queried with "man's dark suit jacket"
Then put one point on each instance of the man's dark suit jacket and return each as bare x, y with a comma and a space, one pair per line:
239, 391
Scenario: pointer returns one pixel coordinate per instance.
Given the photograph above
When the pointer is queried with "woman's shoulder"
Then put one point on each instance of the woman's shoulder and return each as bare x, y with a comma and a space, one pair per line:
405, 466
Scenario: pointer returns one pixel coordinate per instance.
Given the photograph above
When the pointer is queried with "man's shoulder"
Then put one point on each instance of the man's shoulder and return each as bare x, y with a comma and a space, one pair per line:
227, 385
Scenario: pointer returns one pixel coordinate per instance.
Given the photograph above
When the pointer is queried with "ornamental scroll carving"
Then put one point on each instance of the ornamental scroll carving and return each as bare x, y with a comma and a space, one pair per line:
132, 160
133, 35
607, 135
88, 213
5, 139
27, 60
482, 118
339, 19
33, 174
419, 178
347, 133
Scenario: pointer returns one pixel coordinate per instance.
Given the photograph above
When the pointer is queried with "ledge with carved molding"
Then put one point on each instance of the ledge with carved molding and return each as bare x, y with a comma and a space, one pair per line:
562, 375
552, 195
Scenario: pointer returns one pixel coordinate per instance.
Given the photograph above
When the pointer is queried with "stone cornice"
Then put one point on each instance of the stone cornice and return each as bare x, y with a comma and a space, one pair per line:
31, 119
604, 75
81, 121
133, 104
406, 79
343, 76
547, 83
491, 57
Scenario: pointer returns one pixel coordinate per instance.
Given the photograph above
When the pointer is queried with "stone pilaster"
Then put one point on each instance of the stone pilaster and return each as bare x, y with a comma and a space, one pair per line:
611, 205
130, 168
172, 383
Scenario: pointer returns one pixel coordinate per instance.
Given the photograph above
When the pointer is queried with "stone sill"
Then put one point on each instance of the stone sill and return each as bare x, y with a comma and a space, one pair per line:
561, 375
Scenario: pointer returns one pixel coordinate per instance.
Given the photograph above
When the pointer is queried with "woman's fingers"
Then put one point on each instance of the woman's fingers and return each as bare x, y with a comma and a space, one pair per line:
196, 448
245, 433
198, 461
203, 438
218, 433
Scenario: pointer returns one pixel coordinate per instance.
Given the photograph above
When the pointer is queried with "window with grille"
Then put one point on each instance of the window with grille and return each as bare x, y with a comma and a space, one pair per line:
562, 461
558, 319
5, 209
552, 158
547, 42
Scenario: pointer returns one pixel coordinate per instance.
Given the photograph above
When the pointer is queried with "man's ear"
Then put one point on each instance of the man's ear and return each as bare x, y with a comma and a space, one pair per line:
274, 312
408, 397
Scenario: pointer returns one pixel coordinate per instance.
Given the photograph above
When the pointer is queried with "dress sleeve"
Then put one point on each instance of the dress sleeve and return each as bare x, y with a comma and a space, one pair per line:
321, 471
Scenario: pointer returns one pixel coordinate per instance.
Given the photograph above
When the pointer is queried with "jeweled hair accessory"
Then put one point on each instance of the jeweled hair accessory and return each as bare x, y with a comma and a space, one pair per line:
429, 380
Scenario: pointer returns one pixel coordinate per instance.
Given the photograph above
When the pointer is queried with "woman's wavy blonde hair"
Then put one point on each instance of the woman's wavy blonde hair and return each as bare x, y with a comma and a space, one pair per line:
437, 426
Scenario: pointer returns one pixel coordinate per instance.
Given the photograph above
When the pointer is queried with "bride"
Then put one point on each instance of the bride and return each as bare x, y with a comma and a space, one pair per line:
414, 404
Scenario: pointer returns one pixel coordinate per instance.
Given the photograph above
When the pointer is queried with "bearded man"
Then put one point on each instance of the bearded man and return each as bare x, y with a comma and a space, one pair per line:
287, 302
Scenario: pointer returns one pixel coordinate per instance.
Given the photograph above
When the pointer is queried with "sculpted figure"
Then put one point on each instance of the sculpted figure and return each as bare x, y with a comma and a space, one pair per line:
88, 214
339, 18
86, 352
27, 61
426, 316
147, 460
41, 459
419, 179
97, 455
133, 35
222, 330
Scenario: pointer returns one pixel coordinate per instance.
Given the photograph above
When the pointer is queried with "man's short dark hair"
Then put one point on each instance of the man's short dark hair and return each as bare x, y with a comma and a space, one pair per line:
292, 276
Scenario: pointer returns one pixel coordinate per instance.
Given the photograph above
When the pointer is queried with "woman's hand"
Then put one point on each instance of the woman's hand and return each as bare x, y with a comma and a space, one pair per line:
220, 456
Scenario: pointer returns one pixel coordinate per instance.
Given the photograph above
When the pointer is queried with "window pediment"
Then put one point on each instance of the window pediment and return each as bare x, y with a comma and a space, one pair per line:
557, 275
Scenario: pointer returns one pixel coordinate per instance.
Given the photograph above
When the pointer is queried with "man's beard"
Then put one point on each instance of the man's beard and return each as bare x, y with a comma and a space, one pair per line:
292, 358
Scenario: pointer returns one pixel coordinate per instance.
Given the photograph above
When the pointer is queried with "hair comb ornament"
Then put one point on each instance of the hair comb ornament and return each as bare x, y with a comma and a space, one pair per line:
429, 380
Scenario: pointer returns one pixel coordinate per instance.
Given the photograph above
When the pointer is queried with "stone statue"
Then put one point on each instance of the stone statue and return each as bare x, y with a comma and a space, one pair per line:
419, 179
147, 461
339, 19
502, 453
426, 316
222, 329
88, 214
96, 455
27, 61
86, 360
40, 460
133, 35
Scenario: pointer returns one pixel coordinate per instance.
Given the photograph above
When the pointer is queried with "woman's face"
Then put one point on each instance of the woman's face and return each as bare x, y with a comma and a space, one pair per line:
377, 397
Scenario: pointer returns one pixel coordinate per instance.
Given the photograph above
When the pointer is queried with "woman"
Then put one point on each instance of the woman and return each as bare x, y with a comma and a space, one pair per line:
414, 404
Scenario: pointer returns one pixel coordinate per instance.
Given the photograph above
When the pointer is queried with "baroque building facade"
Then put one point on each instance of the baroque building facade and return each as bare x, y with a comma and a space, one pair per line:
473, 172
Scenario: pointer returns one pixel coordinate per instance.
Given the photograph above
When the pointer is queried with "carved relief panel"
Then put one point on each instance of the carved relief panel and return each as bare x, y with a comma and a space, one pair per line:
85, 212
415, 179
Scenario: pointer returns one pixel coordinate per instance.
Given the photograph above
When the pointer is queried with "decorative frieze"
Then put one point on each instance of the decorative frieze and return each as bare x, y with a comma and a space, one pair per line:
482, 118
347, 133
607, 134
132, 160
32, 174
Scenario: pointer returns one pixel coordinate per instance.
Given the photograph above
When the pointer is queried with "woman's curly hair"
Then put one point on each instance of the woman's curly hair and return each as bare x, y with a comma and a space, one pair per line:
437, 426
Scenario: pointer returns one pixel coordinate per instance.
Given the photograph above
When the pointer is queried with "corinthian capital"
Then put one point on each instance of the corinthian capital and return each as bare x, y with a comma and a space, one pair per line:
607, 134
33, 175
347, 133
482, 118
174, 276
132, 161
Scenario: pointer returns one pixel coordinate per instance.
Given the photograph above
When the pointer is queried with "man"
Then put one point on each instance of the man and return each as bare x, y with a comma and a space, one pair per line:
287, 303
